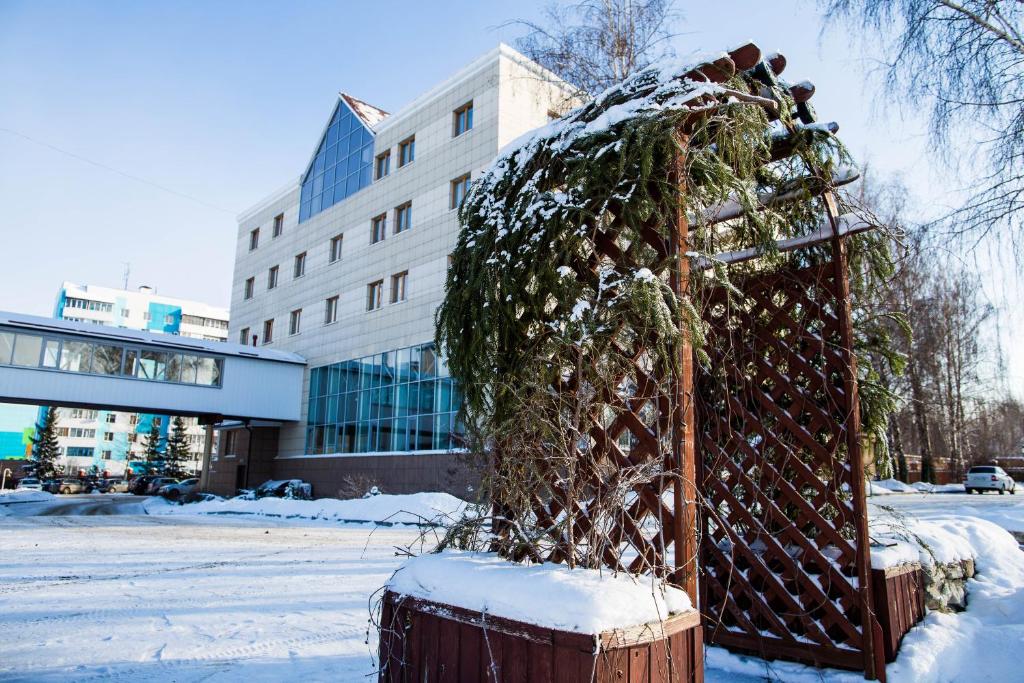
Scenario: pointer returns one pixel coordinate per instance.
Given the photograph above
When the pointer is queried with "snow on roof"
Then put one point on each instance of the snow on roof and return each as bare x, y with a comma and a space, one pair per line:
369, 114
40, 325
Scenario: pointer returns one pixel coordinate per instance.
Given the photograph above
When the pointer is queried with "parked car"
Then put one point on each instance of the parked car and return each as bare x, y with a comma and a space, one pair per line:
286, 488
118, 486
179, 489
157, 482
139, 485
983, 478
111, 485
66, 486
30, 484
281, 488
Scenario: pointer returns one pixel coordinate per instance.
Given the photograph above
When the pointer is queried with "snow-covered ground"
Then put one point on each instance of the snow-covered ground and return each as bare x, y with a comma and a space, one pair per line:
416, 508
189, 598
195, 597
1006, 511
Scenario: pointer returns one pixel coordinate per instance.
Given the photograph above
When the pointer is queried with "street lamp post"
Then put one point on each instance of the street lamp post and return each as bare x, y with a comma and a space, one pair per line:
3, 480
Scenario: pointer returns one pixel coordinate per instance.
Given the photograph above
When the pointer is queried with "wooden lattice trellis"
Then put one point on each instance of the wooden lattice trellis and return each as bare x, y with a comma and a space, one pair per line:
781, 553
759, 475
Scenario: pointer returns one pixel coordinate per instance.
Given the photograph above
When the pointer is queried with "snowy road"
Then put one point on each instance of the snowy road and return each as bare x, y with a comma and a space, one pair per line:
142, 598
93, 589
99, 504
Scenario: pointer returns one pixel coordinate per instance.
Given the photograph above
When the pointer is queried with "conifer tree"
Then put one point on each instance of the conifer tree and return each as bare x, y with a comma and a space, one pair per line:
178, 452
152, 452
45, 448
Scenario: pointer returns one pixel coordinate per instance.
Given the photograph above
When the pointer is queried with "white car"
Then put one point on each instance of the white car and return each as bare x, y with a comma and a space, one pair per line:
983, 478
30, 484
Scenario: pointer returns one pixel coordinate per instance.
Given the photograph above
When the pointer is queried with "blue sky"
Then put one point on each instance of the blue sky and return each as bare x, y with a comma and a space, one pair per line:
222, 102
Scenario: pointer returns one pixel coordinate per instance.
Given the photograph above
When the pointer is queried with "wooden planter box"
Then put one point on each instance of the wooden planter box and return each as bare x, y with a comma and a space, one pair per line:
433, 642
899, 603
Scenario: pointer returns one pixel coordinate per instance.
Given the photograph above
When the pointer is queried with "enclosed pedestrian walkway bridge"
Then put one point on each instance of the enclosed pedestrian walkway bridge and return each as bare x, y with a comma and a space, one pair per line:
82, 365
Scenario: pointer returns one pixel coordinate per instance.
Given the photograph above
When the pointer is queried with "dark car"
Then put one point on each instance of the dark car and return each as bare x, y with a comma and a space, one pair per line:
156, 483
139, 485
284, 488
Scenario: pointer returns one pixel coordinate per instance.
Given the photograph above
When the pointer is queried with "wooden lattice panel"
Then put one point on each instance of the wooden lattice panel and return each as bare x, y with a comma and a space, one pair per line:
635, 427
779, 552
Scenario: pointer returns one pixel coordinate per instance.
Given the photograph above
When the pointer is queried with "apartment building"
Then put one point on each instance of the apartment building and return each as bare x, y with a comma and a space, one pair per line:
111, 440
346, 266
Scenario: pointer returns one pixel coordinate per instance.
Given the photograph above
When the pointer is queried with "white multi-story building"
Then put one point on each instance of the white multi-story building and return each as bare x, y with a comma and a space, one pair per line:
111, 440
346, 266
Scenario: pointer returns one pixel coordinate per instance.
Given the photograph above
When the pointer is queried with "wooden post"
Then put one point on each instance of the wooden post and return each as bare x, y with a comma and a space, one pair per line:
684, 460
870, 628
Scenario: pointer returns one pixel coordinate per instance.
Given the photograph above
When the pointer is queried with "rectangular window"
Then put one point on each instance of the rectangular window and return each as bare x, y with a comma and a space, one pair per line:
106, 360
380, 228
373, 295
28, 348
398, 281
51, 353
295, 321
272, 277
300, 265
108, 436
383, 165
268, 331
459, 190
208, 371
278, 224
106, 454
250, 285
462, 119
152, 365
335, 248
111, 418
74, 356
406, 151
243, 336
403, 217
400, 400
331, 310
6, 346
254, 238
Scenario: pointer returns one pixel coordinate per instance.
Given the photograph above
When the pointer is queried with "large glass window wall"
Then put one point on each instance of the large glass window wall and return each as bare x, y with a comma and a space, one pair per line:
99, 358
398, 401
342, 166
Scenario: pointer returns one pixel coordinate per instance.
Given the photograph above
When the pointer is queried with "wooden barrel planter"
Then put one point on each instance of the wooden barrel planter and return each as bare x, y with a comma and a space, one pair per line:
899, 597
428, 641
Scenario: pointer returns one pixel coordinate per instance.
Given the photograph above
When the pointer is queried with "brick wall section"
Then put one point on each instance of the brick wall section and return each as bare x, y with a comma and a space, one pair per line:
224, 469
449, 472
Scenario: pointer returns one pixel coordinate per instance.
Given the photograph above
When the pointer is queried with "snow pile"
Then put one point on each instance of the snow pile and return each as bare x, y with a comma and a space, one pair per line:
416, 508
982, 643
24, 496
549, 595
925, 487
887, 486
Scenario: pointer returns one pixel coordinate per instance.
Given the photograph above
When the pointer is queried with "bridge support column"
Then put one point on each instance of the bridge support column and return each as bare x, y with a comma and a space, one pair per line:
204, 476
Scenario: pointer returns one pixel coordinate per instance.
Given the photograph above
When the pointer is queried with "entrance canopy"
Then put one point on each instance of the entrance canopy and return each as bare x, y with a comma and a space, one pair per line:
82, 365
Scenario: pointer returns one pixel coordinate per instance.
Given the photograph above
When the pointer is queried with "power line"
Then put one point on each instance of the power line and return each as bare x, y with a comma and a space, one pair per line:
117, 171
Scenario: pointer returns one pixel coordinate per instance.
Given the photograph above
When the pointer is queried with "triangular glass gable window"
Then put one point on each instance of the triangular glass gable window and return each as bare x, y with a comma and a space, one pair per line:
342, 164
